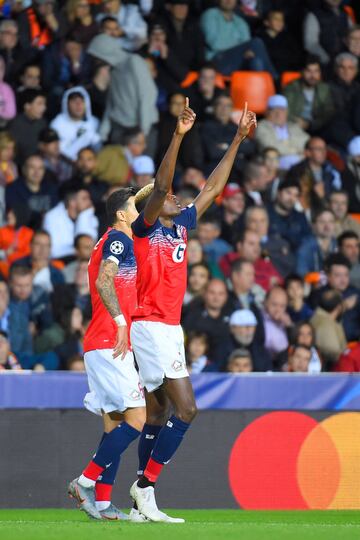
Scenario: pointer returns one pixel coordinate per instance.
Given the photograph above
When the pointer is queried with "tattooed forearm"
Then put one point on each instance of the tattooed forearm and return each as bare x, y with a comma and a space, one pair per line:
106, 287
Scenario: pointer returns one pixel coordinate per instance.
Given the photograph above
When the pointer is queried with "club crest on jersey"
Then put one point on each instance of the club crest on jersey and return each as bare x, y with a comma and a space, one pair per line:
179, 253
116, 247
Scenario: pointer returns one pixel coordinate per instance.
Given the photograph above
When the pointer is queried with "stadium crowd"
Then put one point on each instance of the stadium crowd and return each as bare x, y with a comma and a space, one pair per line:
89, 95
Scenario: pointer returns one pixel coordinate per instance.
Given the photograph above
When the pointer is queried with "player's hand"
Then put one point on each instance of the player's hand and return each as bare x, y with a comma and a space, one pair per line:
247, 121
186, 119
121, 344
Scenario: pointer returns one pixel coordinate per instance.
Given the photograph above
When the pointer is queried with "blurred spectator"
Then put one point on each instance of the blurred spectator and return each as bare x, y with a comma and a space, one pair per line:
302, 334
243, 324
28, 124
194, 178
352, 41
239, 361
30, 77
98, 88
204, 92
30, 311
272, 245
349, 361
65, 65
339, 205
13, 53
7, 98
229, 43
198, 279
190, 153
133, 28
182, 50
40, 24
31, 191
329, 333
348, 243
72, 217
315, 249
299, 359
275, 130
209, 229
283, 50
8, 359
254, 181
218, 133
310, 100
132, 94
57, 166
76, 126
76, 363
285, 220
144, 171
323, 175
82, 25
70, 295
210, 316
246, 294
194, 251
45, 274
297, 308
351, 175
338, 277
271, 159
325, 28
196, 351
85, 176
247, 247
84, 245
15, 239
276, 320
8, 168
230, 212
344, 85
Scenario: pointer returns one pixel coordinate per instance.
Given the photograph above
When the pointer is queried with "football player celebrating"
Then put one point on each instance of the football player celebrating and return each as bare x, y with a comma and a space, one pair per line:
160, 241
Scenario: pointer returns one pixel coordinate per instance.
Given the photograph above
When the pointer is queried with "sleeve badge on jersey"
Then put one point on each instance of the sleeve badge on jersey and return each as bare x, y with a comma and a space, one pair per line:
116, 247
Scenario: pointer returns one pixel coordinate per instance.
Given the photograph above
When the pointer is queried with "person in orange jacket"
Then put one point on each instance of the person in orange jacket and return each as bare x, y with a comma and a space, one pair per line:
15, 240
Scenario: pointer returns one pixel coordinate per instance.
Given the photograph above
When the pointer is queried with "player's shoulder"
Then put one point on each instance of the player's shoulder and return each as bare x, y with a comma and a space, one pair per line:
187, 217
141, 228
117, 244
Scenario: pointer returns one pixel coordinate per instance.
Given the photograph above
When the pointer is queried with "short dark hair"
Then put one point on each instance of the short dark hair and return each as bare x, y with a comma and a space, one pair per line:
330, 300
106, 19
336, 259
202, 265
241, 352
118, 201
310, 60
39, 232
131, 134
339, 192
293, 277
29, 95
299, 346
236, 266
79, 237
20, 271
346, 235
321, 212
213, 220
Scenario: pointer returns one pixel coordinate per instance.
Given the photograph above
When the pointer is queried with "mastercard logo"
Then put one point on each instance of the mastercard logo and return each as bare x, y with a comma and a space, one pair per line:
288, 460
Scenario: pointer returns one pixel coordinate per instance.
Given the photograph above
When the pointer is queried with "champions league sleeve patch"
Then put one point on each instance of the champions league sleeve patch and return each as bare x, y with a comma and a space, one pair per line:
116, 247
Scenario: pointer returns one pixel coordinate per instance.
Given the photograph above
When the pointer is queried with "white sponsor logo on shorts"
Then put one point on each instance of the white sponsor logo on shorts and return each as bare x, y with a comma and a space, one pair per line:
116, 247
135, 394
179, 253
169, 424
177, 365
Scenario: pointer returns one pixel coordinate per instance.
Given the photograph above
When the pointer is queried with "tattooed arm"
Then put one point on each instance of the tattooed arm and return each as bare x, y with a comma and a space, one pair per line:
106, 289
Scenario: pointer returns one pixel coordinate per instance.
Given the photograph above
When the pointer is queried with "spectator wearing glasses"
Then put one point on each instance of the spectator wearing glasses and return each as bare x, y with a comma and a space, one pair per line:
15, 56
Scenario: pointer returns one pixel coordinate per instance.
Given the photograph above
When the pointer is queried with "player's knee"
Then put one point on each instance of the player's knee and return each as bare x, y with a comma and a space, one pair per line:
187, 413
158, 417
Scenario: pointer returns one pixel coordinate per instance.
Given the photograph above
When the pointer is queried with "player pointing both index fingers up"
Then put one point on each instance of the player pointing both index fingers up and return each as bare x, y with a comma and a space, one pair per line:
160, 242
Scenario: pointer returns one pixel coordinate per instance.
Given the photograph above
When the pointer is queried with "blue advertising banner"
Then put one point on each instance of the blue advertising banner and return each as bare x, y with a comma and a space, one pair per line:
276, 391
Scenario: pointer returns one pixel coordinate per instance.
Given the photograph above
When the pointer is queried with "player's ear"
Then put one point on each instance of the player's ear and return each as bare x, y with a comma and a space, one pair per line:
120, 215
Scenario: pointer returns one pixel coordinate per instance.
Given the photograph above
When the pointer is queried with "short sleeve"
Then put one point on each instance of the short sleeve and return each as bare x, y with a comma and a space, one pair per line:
116, 248
141, 229
188, 217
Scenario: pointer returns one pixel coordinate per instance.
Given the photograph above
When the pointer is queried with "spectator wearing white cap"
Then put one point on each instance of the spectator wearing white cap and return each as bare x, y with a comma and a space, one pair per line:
351, 175
143, 171
276, 131
243, 324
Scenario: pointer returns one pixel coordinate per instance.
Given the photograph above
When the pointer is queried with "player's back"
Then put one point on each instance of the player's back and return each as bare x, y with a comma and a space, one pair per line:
162, 267
117, 247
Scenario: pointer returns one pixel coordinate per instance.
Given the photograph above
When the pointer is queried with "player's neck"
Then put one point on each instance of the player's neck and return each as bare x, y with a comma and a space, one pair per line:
167, 222
124, 228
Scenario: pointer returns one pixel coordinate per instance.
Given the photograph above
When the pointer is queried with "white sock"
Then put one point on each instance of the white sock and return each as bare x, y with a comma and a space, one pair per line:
102, 505
86, 482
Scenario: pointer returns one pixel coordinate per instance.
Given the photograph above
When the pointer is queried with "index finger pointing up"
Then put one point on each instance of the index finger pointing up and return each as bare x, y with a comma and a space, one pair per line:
245, 109
186, 102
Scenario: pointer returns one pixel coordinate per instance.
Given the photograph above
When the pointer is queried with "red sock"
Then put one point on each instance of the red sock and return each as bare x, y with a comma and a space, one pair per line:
153, 469
93, 471
103, 492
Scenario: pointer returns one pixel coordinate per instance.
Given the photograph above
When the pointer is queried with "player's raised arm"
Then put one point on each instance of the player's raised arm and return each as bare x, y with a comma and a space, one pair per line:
106, 288
220, 175
165, 174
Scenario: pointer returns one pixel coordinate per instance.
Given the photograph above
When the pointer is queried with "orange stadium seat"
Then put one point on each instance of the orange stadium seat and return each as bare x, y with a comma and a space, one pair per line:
356, 217
289, 76
255, 87
192, 76
350, 13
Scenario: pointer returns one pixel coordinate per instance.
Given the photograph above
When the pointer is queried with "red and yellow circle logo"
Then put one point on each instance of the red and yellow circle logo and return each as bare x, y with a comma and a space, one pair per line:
288, 460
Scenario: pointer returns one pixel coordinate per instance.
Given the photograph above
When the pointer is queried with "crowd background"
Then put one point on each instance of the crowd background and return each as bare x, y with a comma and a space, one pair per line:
89, 95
